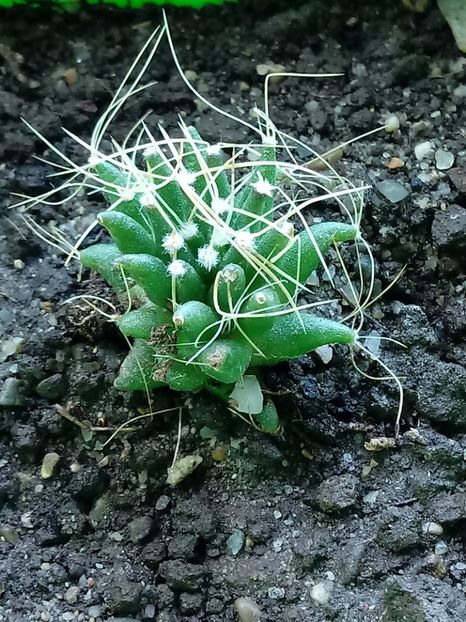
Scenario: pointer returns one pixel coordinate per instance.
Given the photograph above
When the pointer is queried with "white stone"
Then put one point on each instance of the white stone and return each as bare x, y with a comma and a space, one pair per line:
424, 150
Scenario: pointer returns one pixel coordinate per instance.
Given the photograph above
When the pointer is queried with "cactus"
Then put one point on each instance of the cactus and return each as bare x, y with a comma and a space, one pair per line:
211, 252
220, 269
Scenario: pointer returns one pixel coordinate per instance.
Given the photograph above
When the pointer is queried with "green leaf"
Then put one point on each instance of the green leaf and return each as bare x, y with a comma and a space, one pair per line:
260, 305
268, 419
190, 285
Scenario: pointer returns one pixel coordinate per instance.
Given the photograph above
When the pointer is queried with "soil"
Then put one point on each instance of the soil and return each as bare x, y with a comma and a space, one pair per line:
314, 525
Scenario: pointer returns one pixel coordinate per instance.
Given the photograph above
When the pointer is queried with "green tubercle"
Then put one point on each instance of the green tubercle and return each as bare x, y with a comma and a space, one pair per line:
138, 371
140, 323
128, 235
226, 360
150, 273
101, 258
296, 334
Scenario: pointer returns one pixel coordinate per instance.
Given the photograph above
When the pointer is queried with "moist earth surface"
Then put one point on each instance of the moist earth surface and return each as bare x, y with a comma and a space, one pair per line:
334, 520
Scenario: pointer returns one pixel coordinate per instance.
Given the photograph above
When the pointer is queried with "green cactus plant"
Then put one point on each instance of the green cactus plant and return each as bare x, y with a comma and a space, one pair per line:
220, 269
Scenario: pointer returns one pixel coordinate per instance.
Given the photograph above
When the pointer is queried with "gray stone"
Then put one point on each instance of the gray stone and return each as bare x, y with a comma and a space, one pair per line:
123, 596
153, 553
440, 389
53, 387
449, 226
183, 546
448, 509
401, 532
140, 528
197, 516
165, 597
235, 542
190, 603
348, 561
392, 190
338, 493
10, 393
422, 599
413, 327
27, 441
162, 503
71, 594
181, 576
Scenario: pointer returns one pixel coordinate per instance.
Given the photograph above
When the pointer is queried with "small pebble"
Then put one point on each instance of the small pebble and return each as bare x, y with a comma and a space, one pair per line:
26, 520
460, 91
18, 264
441, 548
10, 347
371, 497
444, 160
191, 75
182, 468
235, 542
70, 76
372, 342
94, 611
248, 610
392, 190
218, 454
71, 594
320, 592
10, 393
49, 463
264, 69
325, 353
433, 528
424, 150
395, 163
162, 503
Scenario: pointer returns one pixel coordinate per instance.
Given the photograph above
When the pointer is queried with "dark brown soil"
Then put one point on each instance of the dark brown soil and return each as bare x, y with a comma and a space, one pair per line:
381, 534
